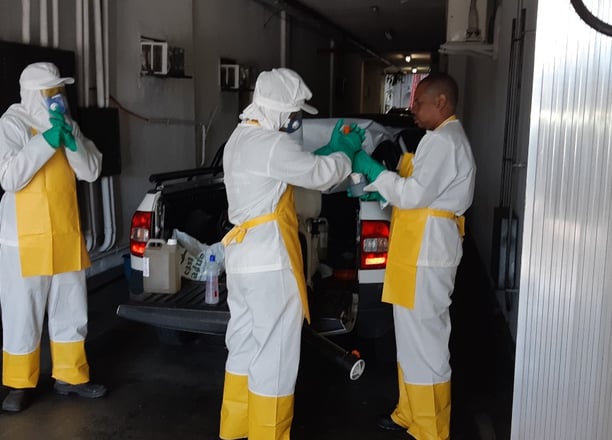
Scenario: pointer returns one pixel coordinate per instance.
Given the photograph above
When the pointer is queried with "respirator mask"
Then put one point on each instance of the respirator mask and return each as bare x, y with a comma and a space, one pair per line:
293, 127
55, 100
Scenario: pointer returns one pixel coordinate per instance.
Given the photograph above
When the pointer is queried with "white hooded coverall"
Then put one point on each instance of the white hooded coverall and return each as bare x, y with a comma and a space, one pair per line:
432, 191
24, 158
264, 332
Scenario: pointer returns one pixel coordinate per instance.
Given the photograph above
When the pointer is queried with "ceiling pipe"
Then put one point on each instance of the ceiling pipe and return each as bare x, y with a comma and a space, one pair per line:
299, 11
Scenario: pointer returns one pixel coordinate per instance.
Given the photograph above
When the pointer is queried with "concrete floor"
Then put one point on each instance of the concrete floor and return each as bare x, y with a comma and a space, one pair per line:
162, 392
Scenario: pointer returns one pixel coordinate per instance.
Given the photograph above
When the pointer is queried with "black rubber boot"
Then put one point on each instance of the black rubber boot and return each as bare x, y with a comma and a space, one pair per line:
387, 423
87, 390
16, 400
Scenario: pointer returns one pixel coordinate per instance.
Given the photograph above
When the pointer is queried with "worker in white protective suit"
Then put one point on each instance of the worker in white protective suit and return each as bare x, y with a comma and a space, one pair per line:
42, 253
263, 160
429, 195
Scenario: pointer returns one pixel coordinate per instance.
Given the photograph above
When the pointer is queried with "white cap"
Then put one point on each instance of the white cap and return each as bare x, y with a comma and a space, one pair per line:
282, 90
172, 241
41, 76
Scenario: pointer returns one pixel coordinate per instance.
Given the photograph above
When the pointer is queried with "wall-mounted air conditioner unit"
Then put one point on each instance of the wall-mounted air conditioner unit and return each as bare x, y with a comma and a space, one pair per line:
229, 76
467, 28
154, 57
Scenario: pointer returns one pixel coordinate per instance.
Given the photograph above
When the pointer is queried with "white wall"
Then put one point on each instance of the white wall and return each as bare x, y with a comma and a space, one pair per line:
242, 30
563, 372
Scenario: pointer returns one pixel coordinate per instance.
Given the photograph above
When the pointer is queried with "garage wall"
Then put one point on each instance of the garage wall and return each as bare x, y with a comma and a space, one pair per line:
241, 30
147, 146
485, 83
162, 119
310, 55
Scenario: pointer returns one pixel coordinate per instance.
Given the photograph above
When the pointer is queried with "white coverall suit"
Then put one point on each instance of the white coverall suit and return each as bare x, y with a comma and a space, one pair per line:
42, 253
264, 332
429, 196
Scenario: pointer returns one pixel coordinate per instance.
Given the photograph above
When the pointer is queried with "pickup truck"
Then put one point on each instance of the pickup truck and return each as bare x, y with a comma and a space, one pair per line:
344, 242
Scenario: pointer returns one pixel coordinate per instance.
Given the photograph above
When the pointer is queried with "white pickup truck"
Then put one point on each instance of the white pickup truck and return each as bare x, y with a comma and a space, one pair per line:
344, 241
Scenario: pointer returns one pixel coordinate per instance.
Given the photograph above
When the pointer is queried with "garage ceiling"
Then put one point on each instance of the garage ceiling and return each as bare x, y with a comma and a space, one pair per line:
391, 28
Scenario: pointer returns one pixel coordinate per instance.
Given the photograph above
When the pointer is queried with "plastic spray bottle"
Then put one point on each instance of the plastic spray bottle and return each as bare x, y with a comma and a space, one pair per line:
212, 281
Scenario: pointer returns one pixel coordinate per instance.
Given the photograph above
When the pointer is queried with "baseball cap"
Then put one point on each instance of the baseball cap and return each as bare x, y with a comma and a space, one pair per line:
40, 76
283, 90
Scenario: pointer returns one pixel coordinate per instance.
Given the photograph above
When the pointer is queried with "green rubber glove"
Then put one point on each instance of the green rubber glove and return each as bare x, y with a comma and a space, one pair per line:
372, 196
346, 142
68, 140
53, 135
360, 131
364, 164
349, 144
336, 133
324, 150
368, 196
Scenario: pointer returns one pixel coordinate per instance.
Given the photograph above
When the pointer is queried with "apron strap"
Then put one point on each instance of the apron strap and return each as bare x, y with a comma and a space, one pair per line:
459, 219
237, 233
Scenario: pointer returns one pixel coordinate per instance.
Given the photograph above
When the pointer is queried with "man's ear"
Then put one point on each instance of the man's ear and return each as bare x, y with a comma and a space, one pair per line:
441, 101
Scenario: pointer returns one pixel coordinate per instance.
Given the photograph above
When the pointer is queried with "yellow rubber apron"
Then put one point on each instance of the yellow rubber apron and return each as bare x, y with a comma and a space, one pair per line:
285, 216
405, 238
48, 225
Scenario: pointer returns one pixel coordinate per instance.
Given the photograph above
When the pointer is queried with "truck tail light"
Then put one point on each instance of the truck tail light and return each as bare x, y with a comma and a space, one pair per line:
374, 244
140, 232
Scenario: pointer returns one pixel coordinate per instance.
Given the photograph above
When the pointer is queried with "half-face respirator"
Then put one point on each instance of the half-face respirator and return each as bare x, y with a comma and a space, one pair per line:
56, 100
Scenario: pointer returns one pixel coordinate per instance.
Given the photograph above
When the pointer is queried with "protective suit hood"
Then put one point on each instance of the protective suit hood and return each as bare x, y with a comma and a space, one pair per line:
278, 93
34, 78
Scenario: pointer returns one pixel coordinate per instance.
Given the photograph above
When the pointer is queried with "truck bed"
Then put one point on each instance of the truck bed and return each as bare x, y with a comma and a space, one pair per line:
184, 310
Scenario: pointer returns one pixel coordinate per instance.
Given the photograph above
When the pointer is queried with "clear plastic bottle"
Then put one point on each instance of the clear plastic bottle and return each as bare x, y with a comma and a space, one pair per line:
212, 281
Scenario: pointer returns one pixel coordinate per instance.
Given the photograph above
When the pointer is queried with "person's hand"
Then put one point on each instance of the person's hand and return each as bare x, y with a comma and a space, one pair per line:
324, 150
364, 164
344, 140
335, 136
360, 131
68, 140
370, 196
53, 135
60, 132
367, 196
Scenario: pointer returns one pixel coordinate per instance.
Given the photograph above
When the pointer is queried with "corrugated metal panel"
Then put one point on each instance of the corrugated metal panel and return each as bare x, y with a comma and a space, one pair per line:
563, 375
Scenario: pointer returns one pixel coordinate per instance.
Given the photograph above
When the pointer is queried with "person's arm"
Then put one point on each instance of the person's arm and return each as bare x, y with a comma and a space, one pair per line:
290, 163
85, 160
434, 169
21, 156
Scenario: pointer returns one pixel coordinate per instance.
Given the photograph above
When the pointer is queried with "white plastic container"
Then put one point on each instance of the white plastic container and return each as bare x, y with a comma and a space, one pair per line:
160, 267
212, 281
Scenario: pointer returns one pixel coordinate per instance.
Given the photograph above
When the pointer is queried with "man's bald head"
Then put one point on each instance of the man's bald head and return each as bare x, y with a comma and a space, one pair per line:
442, 84
435, 100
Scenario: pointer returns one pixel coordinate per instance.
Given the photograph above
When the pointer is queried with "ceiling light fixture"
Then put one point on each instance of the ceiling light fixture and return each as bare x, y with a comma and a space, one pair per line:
408, 58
